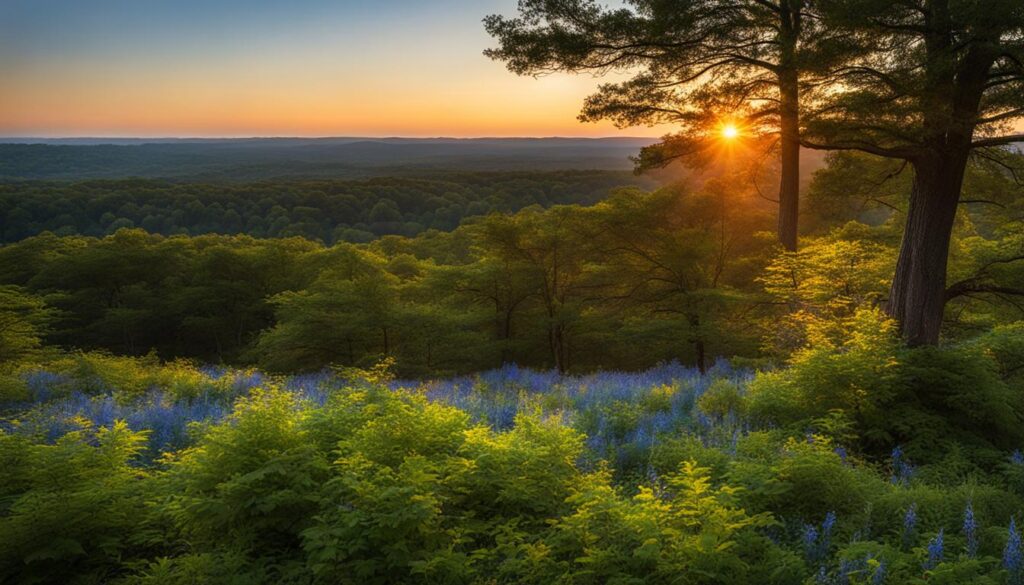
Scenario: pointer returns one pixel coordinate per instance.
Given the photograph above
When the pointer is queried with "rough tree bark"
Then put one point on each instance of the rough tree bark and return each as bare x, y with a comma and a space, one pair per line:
918, 294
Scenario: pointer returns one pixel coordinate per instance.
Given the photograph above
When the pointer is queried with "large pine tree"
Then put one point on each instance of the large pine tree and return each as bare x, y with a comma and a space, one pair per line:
693, 64
934, 83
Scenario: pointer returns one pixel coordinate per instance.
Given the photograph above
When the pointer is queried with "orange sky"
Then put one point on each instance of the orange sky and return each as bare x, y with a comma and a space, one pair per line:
273, 68
303, 68
261, 101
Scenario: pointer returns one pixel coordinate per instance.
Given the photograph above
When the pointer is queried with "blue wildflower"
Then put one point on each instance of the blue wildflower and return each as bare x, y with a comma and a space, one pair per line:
1013, 561
826, 532
817, 542
902, 470
909, 525
841, 452
878, 578
810, 542
1017, 458
971, 531
935, 550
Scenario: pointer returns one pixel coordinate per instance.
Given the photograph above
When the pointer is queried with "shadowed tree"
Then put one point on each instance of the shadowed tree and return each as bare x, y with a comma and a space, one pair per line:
23, 318
696, 64
675, 255
936, 82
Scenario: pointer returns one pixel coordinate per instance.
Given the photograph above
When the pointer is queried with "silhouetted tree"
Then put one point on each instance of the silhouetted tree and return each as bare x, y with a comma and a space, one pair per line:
695, 63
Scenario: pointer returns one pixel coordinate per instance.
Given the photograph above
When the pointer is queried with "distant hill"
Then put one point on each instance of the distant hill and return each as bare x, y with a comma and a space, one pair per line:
280, 158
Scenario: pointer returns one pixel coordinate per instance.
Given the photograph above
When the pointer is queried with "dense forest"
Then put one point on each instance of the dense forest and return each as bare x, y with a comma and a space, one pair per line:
308, 362
328, 211
254, 159
639, 278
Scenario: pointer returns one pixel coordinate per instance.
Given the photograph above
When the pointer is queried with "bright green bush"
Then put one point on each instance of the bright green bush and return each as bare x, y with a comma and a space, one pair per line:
926, 399
72, 512
252, 481
721, 399
691, 532
13, 387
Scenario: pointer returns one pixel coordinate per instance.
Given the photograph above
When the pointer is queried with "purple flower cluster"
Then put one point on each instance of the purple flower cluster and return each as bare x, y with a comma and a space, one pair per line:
910, 525
970, 528
1013, 556
935, 549
816, 543
902, 470
622, 413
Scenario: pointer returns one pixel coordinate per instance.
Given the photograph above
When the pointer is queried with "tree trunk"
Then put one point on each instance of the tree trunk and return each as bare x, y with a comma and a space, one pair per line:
505, 333
557, 347
697, 338
918, 293
789, 187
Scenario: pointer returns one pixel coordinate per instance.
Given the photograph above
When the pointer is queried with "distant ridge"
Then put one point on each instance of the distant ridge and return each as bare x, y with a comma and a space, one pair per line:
272, 158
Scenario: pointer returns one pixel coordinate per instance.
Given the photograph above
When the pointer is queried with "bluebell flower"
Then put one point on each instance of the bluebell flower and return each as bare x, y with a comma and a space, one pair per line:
878, 578
817, 542
1017, 458
909, 525
902, 470
1013, 561
935, 550
970, 531
828, 524
810, 542
841, 452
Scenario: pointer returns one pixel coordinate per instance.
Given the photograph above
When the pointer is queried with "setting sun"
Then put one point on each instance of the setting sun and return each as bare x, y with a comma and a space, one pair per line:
729, 131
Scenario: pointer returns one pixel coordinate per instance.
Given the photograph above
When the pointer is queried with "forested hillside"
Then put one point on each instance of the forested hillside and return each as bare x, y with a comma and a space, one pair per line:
327, 210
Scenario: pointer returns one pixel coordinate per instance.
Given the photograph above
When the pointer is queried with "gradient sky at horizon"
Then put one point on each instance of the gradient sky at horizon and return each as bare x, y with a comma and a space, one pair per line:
272, 68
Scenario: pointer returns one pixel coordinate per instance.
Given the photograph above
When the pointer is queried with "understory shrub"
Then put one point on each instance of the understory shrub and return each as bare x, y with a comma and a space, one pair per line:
656, 478
925, 399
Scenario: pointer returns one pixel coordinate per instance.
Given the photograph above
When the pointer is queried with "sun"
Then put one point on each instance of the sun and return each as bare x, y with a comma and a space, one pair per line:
730, 131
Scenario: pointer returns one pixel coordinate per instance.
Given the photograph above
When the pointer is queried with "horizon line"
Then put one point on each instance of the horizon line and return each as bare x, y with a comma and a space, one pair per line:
328, 137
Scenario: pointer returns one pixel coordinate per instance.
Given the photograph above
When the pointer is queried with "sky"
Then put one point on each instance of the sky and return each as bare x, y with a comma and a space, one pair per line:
273, 68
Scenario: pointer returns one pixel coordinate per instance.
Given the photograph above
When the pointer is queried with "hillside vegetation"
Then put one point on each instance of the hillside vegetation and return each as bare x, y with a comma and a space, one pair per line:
327, 211
230, 409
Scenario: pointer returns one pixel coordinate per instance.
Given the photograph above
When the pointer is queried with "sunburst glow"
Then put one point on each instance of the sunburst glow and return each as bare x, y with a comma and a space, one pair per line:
730, 131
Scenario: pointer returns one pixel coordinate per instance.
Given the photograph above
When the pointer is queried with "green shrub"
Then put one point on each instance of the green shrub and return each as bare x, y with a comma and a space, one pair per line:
690, 534
13, 387
72, 512
722, 398
926, 399
253, 480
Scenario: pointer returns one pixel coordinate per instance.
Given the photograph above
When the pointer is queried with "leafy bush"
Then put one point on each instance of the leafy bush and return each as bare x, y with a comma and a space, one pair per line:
926, 399
252, 479
509, 477
722, 398
71, 512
